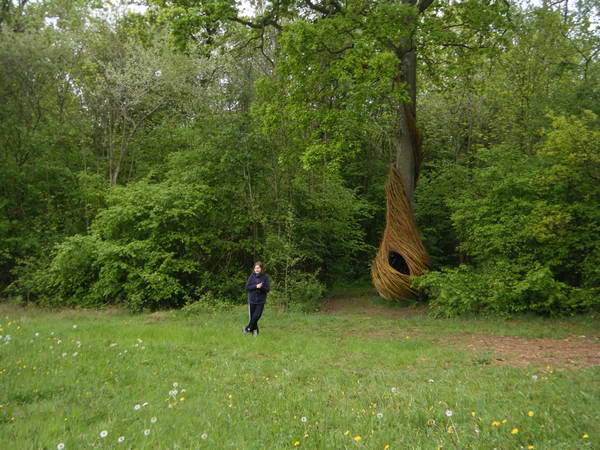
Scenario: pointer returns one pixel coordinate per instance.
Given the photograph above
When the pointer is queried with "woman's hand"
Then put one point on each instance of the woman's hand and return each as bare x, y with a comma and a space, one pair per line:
259, 285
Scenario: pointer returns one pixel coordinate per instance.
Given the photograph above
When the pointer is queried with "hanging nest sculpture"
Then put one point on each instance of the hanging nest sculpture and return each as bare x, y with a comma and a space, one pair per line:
401, 253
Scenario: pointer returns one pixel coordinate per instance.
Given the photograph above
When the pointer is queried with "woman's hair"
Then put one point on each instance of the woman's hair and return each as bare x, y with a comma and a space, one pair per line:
258, 263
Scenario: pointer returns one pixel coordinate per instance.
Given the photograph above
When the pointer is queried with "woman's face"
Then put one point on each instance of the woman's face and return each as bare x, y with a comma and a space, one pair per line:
257, 269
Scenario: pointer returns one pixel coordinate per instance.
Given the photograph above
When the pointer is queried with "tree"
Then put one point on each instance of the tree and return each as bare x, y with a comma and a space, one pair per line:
356, 56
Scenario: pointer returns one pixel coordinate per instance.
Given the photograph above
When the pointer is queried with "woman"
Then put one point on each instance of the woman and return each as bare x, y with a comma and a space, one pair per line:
257, 287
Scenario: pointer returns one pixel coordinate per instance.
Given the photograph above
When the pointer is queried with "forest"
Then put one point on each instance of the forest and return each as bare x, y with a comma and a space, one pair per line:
151, 152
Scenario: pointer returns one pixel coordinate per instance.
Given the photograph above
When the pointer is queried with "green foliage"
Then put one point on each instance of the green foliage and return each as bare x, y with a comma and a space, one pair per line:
528, 226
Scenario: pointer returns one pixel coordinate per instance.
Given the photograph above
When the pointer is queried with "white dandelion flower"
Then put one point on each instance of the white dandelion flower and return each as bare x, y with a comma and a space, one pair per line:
204, 436
303, 420
60, 446
380, 415
103, 434
146, 432
449, 413
137, 407
394, 390
153, 420
121, 439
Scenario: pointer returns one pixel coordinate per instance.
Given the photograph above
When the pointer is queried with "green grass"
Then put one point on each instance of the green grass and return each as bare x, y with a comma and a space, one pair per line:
389, 382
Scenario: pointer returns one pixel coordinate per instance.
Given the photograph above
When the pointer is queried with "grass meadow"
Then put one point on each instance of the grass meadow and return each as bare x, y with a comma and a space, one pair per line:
109, 379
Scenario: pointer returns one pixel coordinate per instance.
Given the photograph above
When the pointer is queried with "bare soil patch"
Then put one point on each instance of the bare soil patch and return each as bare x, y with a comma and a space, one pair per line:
573, 351
366, 306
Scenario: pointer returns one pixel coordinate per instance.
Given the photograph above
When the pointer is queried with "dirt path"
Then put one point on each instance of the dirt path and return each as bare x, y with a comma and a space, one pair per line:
573, 351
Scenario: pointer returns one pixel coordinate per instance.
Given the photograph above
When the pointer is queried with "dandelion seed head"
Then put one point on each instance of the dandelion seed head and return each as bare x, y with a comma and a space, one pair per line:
137, 407
380, 415
394, 390
430, 381
60, 446
449, 412
204, 436
121, 439
534, 377
146, 432
303, 420
103, 434
153, 420
74, 326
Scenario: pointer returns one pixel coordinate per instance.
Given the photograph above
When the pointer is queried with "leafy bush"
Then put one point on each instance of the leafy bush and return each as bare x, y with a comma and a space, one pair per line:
527, 225
300, 292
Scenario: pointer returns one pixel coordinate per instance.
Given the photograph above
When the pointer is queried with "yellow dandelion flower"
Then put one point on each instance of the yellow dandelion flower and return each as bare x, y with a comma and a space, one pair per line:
296, 444
386, 447
504, 420
530, 447
585, 436
473, 413
346, 433
495, 423
357, 438
306, 435
514, 431
530, 413
182, 399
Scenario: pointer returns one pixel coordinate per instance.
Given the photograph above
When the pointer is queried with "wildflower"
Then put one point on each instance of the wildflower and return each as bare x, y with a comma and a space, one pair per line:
514, 431
204, 436
153, 420
473, 413
380, 415
75, 354
431, 422
145, 404
534, 377
394, 390
139, 340
357, 438
181, 399
305, 435
530, 447
303, 420
530, 413
60, 446
137, 407
146, 432
585, 436
36, 335
430, 381
386, 447
346, 433
450, 429
103, 434
495, 423
296, 443
449, 413
477, 430
74, 326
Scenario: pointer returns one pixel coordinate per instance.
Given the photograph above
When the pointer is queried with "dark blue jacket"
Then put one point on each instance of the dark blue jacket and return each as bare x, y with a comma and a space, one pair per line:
255, 295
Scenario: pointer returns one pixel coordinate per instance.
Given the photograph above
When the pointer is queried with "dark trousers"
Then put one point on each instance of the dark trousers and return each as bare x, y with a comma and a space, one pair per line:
254, 313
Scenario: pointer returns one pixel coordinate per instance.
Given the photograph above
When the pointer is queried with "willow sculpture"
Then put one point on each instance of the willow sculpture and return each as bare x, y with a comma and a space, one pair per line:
401, 253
